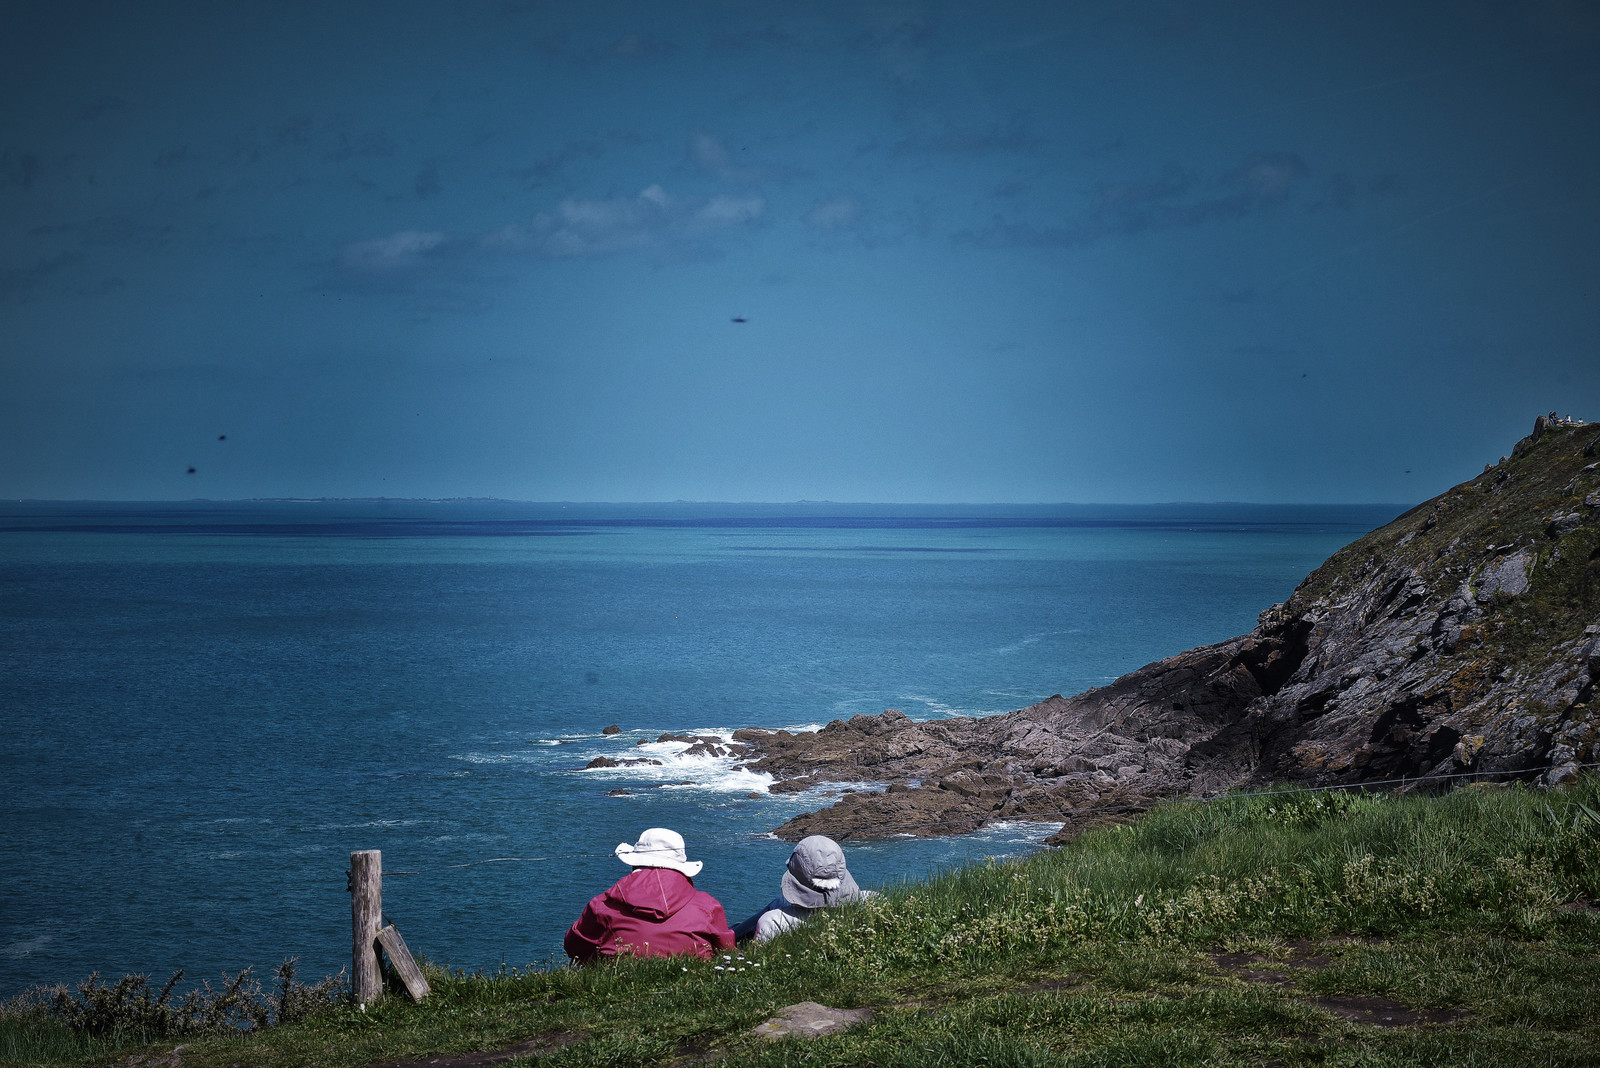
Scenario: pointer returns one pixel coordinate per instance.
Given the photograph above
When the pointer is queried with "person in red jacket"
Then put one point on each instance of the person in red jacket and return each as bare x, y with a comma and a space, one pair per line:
655, 911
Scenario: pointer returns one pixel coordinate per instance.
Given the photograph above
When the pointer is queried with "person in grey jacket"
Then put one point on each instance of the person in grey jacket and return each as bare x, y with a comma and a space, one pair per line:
815, 878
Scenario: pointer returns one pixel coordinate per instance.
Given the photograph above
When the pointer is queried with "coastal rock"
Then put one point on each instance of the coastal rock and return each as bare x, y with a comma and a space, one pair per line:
1456, 640
613, 729
608, 762
1563, 523
1508, 575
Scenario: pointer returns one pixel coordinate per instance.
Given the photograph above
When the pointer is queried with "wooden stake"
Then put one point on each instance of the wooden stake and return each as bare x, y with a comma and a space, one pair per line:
401, 960
366, 917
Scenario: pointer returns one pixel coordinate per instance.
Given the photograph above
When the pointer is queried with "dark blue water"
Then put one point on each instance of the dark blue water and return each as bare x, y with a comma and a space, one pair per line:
206, 707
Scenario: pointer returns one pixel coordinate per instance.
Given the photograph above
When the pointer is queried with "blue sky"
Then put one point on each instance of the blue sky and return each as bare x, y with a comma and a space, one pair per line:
1092, 252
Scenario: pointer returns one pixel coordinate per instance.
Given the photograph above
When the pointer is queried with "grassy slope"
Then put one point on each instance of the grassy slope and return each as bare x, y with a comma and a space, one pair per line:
1109, 951
1505, 508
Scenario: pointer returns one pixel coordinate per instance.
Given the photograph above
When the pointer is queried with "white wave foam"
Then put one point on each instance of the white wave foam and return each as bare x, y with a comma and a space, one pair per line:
1017, 646
937, 709
1021, 699
570, 737
374, 823
25, 948
1020, 831
680, 769
524, 757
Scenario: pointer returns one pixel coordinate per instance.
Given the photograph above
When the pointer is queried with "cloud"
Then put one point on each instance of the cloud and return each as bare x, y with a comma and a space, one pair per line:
839, 213
848, 219
429, 261
713, 159
427, 182
18, 170
295, 130
1268, 177
1012, 136
597, 227
403, 251
68, 260
634, 47
630, 48
901, 44
17, 284
722, 211
1344, 192
552, 166
1174, 199
368, 145
741, 42
103, 107
121, 231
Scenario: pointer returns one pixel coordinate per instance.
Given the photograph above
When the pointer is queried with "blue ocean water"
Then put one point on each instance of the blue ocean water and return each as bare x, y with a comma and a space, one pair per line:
207, 706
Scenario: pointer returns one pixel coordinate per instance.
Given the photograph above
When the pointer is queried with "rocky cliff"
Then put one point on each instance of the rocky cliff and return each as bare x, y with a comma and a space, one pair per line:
1462, 637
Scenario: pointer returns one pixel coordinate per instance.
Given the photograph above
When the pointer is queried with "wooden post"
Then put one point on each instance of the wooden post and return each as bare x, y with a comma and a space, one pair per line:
366, 918
405, 966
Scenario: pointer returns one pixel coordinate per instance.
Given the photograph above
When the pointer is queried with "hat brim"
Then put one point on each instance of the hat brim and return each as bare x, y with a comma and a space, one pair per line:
814, 897
643, 858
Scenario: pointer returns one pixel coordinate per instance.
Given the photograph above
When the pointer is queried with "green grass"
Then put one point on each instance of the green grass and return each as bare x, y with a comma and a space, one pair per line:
1507, 506
1472, 905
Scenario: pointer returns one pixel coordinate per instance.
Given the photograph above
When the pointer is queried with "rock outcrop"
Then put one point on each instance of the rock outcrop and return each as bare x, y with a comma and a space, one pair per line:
1463, 637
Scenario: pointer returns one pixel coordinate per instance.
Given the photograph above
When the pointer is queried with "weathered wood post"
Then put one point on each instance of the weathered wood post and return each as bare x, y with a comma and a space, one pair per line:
404, 964
366, 919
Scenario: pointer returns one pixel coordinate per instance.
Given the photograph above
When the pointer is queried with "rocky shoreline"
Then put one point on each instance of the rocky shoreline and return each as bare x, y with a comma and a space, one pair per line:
1463, 638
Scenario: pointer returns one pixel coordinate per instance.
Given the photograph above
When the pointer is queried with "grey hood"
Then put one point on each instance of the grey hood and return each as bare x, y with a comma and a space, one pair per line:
816, 876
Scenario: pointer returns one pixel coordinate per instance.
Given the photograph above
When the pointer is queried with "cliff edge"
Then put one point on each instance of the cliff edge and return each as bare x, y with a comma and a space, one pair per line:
1462, 637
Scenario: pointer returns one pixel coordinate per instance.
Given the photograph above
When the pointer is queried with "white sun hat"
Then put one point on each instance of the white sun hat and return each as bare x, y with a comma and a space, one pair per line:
659, 848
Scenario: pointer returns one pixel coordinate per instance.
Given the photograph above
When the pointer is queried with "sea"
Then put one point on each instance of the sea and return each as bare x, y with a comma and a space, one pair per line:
205, 707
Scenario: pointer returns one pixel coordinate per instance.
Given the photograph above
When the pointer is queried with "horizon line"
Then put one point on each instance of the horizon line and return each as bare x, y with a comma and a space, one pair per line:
807, 502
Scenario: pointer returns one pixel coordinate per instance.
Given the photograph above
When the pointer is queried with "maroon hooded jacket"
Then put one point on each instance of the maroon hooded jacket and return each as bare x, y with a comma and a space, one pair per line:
654, 912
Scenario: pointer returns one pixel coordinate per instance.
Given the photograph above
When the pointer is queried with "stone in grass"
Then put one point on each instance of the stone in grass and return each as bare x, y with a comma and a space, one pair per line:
154, 1060
810, 1020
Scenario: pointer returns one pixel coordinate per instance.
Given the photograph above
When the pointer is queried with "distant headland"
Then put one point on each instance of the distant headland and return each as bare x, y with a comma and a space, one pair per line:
1460, 640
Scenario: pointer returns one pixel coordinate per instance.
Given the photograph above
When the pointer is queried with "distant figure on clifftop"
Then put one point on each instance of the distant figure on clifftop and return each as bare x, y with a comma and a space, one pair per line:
653, 912
815, 878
